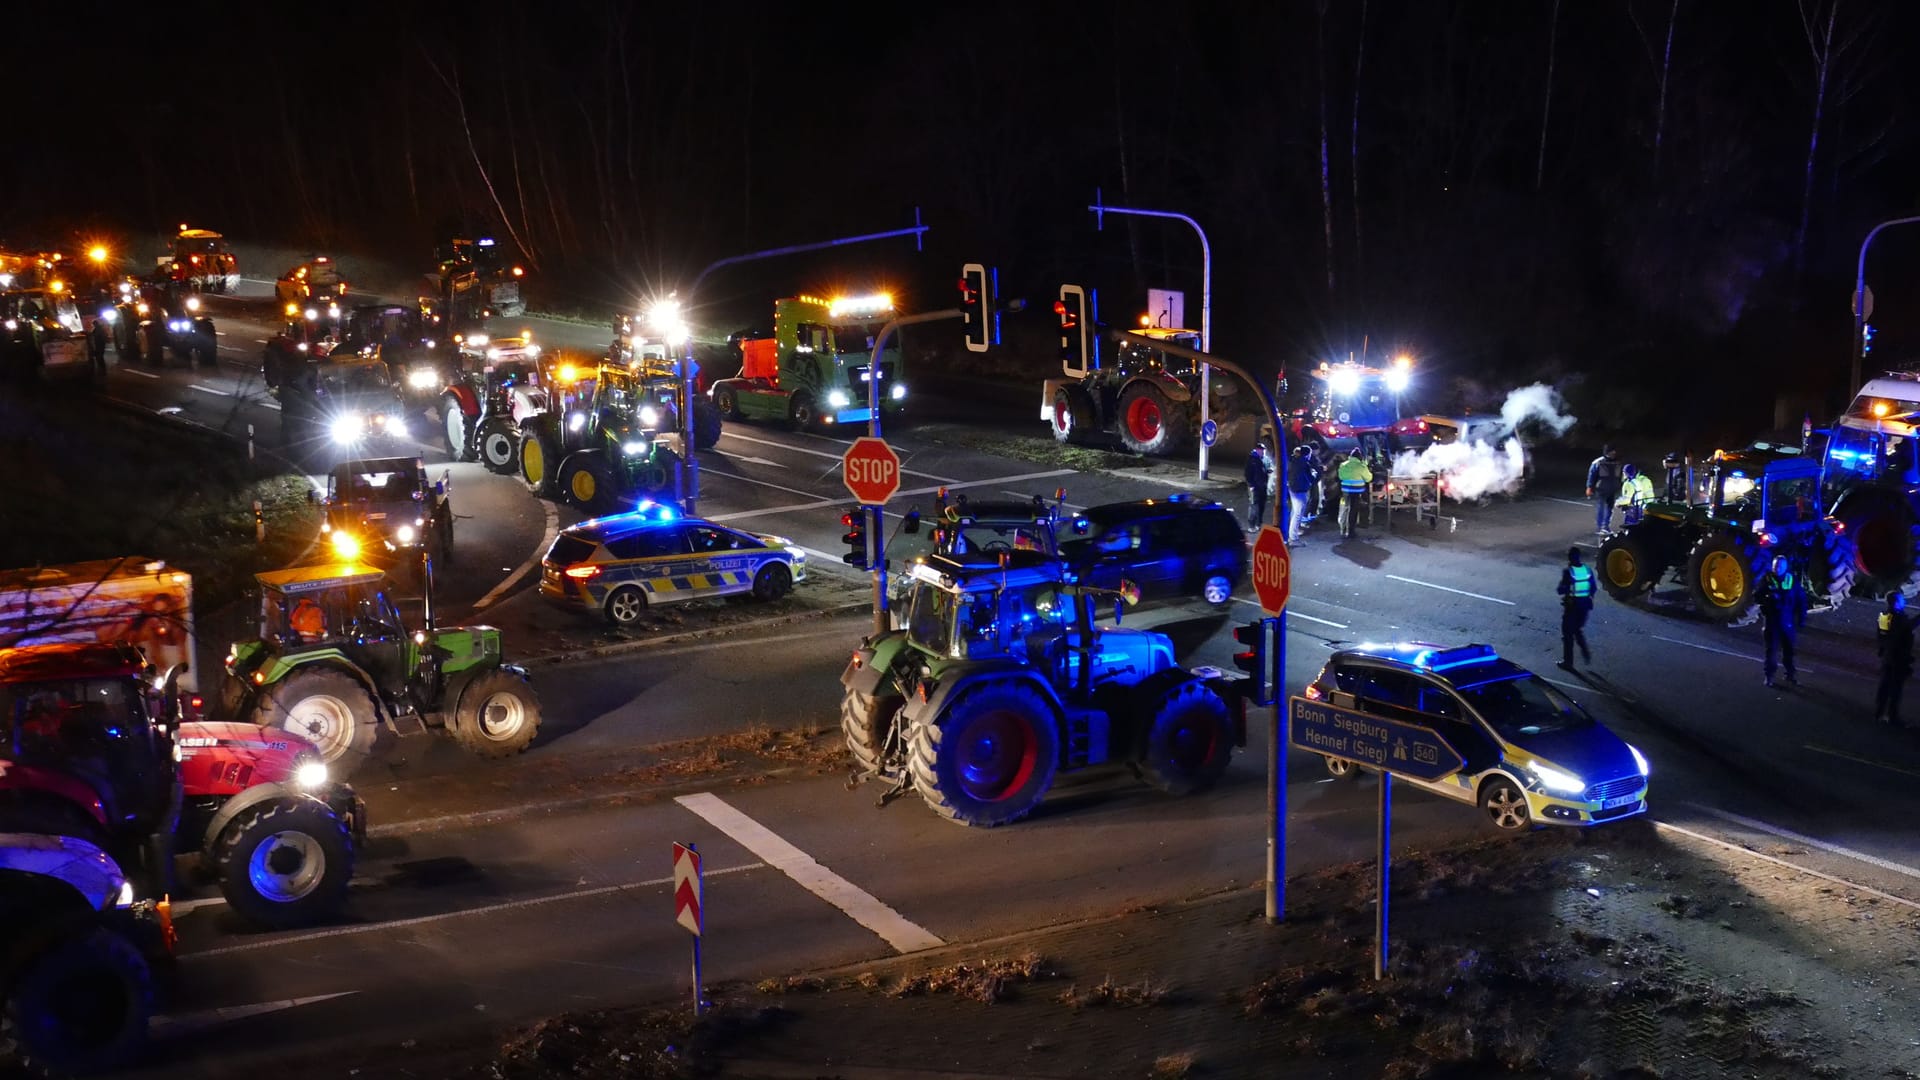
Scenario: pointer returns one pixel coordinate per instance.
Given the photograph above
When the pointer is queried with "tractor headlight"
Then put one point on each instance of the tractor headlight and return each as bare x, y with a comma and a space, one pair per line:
494, 354
193, 303
125, 896
649, 416
633, 448
1556, 779
397, 425
898, 392
110, 314
1397, 379
532, 349
423, 378
347, 428
179, 326
311, 775
1344, 382
838, 399
13, 324
404, 534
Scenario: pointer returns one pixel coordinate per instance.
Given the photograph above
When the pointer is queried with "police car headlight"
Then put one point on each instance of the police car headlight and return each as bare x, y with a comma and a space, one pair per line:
649, 416
404, 534
125, 896
1555, 779
838, 399
633, 448
346, 429
1639, 759
898, 392
311, 775
423, 378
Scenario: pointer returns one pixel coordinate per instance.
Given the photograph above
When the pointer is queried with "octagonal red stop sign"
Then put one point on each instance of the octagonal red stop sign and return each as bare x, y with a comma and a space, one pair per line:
1272, 570
871, 470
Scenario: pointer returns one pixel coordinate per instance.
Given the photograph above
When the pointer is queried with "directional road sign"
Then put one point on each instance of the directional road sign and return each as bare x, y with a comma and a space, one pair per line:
1272, 570
1410, 750
686, 889
871, 470
1209, 431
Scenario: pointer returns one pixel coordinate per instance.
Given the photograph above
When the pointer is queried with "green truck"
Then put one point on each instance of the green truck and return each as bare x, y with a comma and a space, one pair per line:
814, 370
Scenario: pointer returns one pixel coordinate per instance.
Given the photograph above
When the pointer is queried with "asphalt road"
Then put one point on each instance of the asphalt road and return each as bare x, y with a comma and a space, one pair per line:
485, 905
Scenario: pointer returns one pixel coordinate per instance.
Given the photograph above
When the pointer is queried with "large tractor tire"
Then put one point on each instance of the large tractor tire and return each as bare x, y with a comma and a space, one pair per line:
498, 716
989, 758
1627, 568
587, 483
457, 428
1189, 740
285, 862
1838, 565
706, 424
539, 453
868, 721
81, 1005
499, 443
1722, 573
1885, 537
1149, 422
329, 709
1073, 415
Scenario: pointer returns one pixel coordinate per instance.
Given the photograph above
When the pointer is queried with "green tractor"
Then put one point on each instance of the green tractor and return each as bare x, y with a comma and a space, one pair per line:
1758, 503
334, 660
1001, 679
604, 441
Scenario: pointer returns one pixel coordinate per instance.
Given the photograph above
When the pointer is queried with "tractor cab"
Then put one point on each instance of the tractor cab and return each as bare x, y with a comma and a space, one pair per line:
1136, 358
1763, 491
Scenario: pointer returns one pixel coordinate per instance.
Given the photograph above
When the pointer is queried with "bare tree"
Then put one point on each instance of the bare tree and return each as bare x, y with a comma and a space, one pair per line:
453, 87
1664, 60
1820, 43
1546, 106
1353, 141
1326, 180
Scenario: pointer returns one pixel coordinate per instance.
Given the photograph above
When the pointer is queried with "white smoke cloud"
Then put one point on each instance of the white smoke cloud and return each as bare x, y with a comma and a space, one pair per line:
1493, 461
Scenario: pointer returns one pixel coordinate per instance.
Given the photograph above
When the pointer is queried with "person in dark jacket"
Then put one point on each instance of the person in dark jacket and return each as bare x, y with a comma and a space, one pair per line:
1259, 471
97, 346
1783, 604
1576, 603
1676, 487
1603, 487
1896, 658
1303, 476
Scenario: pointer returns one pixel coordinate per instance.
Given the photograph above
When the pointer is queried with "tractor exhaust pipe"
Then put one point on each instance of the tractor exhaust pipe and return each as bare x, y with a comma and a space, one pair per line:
426, 588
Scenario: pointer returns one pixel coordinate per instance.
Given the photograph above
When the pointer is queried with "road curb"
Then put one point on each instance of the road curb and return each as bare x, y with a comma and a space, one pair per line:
596, 652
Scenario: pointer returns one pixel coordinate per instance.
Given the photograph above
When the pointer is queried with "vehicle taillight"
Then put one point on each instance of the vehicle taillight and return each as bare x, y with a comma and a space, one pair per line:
1313, 692
582, 573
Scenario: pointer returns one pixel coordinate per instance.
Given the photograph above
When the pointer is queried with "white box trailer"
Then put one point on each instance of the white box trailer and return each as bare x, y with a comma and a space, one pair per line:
135, 599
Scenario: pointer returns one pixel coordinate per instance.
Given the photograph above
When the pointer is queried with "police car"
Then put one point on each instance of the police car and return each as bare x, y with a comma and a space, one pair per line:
619, 565
1532, 755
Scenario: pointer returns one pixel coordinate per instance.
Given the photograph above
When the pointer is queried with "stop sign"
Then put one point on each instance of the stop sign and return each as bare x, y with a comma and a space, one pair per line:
1272, 570
871, 470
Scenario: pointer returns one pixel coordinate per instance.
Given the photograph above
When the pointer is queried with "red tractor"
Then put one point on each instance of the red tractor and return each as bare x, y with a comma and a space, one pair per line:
95, 744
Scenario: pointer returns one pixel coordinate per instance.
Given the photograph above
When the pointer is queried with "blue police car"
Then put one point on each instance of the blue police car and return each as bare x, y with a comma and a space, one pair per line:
1533, 756
621, 564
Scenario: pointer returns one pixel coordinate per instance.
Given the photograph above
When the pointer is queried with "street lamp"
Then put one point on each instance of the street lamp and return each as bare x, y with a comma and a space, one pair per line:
1860, 297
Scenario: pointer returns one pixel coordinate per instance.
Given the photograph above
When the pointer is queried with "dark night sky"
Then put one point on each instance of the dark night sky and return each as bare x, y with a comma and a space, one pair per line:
631, 144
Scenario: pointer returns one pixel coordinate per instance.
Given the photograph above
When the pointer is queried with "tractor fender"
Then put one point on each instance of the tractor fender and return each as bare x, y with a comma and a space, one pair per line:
463, 396
26, 782
1174, 389
950, 689
872, 663
1134, 706
241, 803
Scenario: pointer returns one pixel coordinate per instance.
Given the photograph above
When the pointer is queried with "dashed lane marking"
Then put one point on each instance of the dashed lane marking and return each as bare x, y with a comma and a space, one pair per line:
1292, 614
858, 904
1451, 589
463, 913
1830, 752
1569, 502
546, 541
1802, 838
1748, 657
208, 390
137, 371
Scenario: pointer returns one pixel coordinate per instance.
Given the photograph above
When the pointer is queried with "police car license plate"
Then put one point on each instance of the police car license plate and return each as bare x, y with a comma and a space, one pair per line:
1624, 800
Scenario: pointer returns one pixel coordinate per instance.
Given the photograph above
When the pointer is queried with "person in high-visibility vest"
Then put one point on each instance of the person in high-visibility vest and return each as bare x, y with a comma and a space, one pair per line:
1896, 658
1355, 479
1636, 491
1576, 603
1783, 604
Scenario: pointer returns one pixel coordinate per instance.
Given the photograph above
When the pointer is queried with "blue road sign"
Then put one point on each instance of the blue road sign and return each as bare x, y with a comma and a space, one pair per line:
1395, 746
1209, 431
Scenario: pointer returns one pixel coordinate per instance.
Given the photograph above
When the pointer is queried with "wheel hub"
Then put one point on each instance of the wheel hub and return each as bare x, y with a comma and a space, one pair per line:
325, 721
1143, 419
583, 486
1723, 578
1622, 568
997, 756
501, 716
286, 866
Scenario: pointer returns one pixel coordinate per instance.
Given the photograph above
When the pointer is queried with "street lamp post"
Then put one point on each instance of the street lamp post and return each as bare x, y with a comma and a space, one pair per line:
1100, 210
1860, 298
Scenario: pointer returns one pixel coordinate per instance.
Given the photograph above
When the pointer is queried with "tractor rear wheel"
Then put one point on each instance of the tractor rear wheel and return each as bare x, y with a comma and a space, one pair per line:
327, 708
285, 862
989, 757
498, 715
539, 453
81, 1005
1840, 563
706, 424
1722, 573
458, 427
1627, 569
869, 721
1189, 740
1149, 422
499, 446
1072, 414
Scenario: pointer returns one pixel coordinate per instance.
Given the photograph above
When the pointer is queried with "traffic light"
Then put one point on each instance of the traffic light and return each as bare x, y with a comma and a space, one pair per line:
977, 287
1072, 309
856, 538
1253, 661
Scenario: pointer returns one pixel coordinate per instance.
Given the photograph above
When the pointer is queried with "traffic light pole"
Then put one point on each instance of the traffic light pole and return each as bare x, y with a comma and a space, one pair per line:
878, 526
1276, 736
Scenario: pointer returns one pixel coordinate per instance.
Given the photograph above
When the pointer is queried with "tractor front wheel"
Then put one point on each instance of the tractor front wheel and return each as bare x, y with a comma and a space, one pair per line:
539, 454
498, 715
587, 482
327, 708
989, 758
285, 862
1149, 422
1627, 569
499, 449
458, 427
1189, 740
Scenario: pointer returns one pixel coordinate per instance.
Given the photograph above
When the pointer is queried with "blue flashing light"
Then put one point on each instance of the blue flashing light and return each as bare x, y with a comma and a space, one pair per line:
1737, 473
654, 511
1447, 659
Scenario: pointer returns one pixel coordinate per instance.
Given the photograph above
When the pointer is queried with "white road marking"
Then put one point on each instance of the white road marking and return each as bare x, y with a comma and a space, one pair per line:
1748, 657
182, 1023
263, 341
1448, 588
219, 333
274, 405
821, 454
1801, 838
1797, 868
1292, 614
859, 905
755, 460
137, 371
710, 471
463, 913
954, 485
1578, 686
1569, 502
1851, 757
546, 541
208, 390
740, 515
